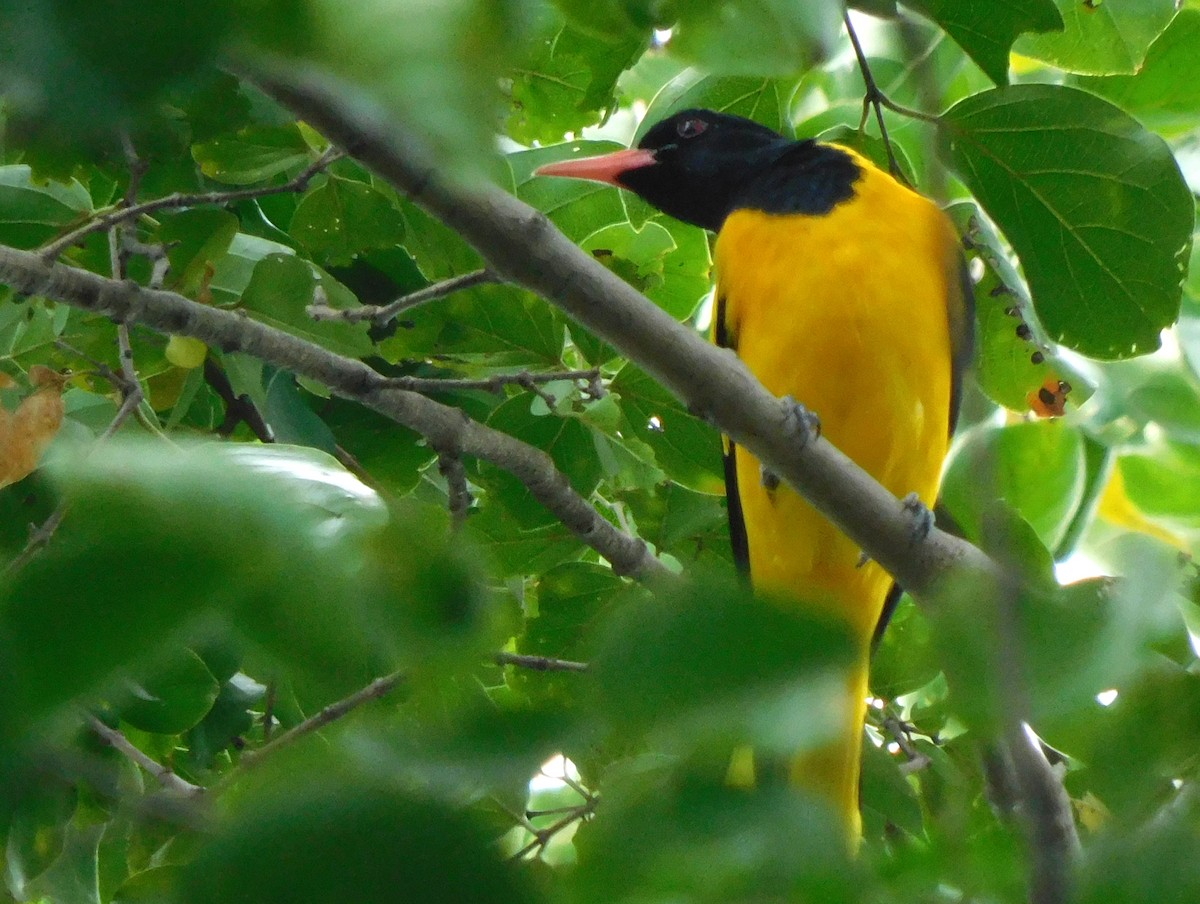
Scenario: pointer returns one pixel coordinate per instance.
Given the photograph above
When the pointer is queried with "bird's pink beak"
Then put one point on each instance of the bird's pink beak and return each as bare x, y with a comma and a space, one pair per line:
605, 168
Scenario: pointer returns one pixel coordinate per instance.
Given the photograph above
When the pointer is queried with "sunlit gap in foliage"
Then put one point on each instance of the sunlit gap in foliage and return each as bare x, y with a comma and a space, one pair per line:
557, 772
662, 36
1108, 697
1078, 566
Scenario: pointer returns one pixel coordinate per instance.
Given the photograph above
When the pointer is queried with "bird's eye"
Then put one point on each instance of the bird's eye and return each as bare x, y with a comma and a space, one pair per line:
690, 128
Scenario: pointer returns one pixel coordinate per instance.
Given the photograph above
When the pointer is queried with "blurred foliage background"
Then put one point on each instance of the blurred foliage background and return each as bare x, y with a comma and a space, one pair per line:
208, 590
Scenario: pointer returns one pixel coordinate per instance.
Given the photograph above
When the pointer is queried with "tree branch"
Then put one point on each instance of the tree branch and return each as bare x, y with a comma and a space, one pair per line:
380, 687
524, 247
382, 314
126, 210
161, 773
447, 429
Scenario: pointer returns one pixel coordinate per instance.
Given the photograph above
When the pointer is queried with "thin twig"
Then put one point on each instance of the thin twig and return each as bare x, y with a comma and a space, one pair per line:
542, 837
380, 315
899, 731
524, 379
124, 211
872, 98
239, 409
161, 773
380, 687
540, 663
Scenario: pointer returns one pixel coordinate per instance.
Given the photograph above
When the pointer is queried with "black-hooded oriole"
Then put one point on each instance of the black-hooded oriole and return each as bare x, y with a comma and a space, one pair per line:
844, 289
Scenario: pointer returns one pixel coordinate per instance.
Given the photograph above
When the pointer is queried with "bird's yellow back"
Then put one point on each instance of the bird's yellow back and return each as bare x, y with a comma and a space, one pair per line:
853, 313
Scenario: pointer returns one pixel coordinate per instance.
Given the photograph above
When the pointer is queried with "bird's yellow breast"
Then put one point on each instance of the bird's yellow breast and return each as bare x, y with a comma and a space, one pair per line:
847, 313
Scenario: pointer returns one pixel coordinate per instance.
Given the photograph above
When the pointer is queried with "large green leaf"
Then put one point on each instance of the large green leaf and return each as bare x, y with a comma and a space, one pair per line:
1036, 467
756, 37
211, 540
754, 98
314, 838
1165, 91
685, 447
339, 219
986, 30
1094, 205
173, 698
434, 67
708, 666
32, 212
1100, 37
253, 154
283, 286
566, 79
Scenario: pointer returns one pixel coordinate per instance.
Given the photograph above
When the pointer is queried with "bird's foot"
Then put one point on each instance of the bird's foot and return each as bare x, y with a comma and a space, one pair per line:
921, 515
801, 423
769, 479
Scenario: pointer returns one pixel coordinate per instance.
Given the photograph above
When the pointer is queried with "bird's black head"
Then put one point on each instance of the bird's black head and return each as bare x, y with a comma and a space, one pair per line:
702, 161
699, 166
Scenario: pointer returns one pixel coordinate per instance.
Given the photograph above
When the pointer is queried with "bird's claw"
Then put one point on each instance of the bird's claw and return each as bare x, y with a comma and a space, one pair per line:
801, 422
769, 479
921, 515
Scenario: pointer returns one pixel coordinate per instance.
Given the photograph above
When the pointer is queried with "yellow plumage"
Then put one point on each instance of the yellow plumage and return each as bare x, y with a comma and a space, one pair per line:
851, 313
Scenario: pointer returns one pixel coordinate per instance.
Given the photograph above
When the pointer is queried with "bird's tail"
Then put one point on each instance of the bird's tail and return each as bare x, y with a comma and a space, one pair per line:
832, 770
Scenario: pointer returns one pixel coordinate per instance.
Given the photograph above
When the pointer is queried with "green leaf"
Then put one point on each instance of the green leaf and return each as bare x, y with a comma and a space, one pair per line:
756, 37
172, 699
74, 876
707, 665
694, 838
32, 212
434, 67
904, 660
1102, 37
1013, 359
214, 539
1172, 401
236, 268
281, 289
293, 420
674, 277
151, 886
72, 84
1165, 484
986, 30
570, 598
1036, 467
229, 719
566, 440
685, 447
566, 80
195, 240
887, 797
37, 833
341, 218
393, 455
1165, 91
754, 98
254, 154
576, 206
517, 550
1070, 179
1158, 860
315, 835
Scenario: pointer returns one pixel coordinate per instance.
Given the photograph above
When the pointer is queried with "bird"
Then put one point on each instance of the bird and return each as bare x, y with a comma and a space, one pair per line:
847, 291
